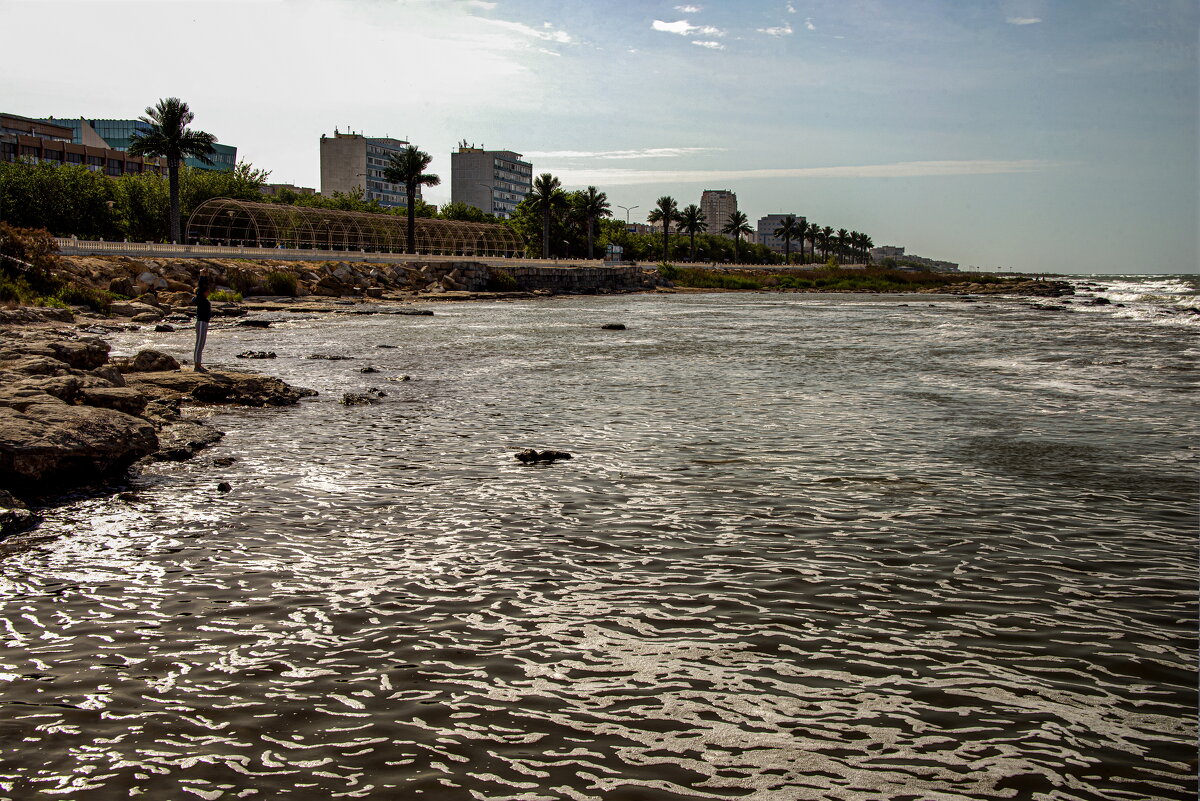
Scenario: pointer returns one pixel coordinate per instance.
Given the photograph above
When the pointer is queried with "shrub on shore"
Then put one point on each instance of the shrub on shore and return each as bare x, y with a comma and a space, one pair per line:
28, 262
822, 279
280, 282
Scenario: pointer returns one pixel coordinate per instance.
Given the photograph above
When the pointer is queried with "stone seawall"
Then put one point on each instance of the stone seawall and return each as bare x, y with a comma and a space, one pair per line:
135, 277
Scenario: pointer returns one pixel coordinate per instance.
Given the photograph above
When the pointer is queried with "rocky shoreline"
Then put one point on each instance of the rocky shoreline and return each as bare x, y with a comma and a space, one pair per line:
71, 415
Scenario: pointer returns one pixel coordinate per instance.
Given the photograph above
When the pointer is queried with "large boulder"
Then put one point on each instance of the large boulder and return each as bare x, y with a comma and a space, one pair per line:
246, 389
49, 446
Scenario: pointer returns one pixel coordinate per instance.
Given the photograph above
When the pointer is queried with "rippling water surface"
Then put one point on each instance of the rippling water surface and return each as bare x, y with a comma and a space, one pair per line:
809, 547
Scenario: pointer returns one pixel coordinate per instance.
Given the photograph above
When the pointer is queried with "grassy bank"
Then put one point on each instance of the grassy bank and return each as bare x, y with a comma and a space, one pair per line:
28, 262
822, 279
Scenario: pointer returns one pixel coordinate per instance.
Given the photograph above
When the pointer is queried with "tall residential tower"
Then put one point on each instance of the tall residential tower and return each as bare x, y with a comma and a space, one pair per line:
351, 161
493, 181
717, 205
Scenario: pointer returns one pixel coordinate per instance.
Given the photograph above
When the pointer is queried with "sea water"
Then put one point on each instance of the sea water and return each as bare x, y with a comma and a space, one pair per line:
808, 547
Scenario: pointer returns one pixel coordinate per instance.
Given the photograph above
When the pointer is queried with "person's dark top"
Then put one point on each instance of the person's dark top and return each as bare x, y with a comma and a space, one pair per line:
203, 308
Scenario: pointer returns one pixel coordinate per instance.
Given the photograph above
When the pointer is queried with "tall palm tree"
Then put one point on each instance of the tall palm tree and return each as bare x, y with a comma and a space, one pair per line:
843, 236
867, 243
826, 241
738, 225
801, 232
788, 230
408, 167
170, 137
547, 197
692, 221
594, 205
814, 238
666, 211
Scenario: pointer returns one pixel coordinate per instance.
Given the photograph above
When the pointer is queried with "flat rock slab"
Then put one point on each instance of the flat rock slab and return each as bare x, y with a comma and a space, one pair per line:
246, 389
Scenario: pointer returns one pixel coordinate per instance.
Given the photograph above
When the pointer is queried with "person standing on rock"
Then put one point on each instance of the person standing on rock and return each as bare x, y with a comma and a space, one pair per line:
203, 315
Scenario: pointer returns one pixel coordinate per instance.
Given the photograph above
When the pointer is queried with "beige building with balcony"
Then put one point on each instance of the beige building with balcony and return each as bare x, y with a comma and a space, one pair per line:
351, 161
493, 181
717, 205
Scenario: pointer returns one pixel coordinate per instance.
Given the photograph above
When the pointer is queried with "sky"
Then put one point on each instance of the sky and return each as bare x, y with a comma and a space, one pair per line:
1032, 135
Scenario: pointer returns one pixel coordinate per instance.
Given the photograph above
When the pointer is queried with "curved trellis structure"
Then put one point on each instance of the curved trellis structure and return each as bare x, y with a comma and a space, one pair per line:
223, 221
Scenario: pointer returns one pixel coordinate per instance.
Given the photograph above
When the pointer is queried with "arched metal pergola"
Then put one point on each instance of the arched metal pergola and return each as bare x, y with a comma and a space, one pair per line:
223, 221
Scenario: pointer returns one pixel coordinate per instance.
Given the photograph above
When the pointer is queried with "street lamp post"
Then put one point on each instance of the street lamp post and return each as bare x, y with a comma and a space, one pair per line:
491, 209
627, 210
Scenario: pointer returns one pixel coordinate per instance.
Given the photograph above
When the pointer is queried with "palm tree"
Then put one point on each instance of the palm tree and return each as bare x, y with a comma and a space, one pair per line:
788, 230
547, 197
666, 211
843, 236
826, 241
408, 167
594, 205
738, 224
814, 238
801, 232
692, 221
867, 243
170, 137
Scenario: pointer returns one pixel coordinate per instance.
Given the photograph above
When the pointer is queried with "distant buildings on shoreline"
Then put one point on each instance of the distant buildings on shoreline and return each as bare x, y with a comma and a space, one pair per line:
717, 205
897, 253
351, 162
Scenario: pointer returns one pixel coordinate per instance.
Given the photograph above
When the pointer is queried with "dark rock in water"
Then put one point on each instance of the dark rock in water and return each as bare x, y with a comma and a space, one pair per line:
14, 515
400, 378
224, 461
328, 358
387, 346
377, 392
613, 326
163, 328
531, 456
224, 486
246, 389
1100, 302
181, 440
369, 369
255, 323
257, 354
358, 399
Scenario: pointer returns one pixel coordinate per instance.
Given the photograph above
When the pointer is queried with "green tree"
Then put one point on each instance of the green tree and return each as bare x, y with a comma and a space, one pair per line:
843, 237
826, 240
666, 211
547, 199
692, 221
813, 235
408, 167
801, 233
788, 230
465, 213
593, 206
737, 226
170, 137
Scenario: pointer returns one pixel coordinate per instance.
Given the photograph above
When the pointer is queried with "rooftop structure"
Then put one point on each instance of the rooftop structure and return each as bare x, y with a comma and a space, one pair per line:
717, 205
350, 162
493, 181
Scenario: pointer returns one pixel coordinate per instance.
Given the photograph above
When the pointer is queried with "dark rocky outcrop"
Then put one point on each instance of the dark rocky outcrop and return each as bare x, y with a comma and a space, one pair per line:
613, 326
531, 456
69, 416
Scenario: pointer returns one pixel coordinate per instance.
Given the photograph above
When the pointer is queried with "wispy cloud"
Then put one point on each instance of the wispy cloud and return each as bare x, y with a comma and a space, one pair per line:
547, 32
785, 30
684, 28
710, 45
484, 4
1023, 20
808, 23
688, 9
903, 169
635, 153
791, 9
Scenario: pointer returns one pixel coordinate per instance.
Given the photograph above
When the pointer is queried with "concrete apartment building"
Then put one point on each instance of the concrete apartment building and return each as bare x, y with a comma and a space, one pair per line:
351, 161
878, 254
766, 232
717, 205
493, 181
116, 134
33, 140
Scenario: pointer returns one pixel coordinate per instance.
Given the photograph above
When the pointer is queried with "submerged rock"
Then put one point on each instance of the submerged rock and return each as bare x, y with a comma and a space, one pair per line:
358, 399
531, 456
613, 326
257, 354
